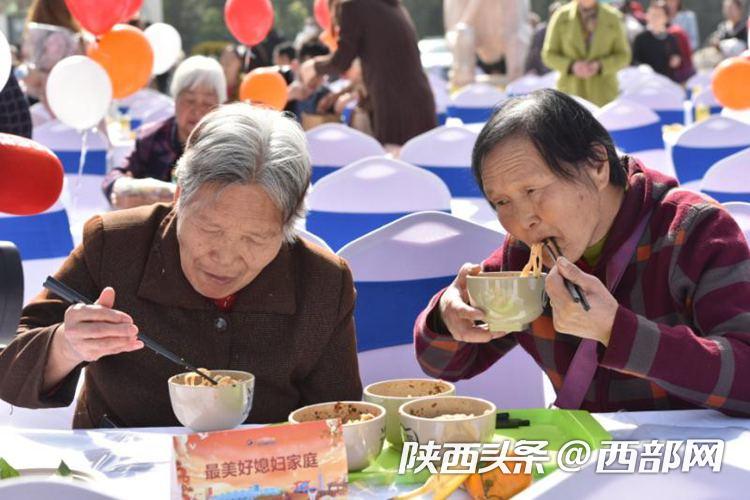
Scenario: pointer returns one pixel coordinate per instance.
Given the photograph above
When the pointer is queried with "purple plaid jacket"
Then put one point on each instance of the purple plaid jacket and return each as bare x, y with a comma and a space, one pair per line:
14, 109
681, 336
157, 149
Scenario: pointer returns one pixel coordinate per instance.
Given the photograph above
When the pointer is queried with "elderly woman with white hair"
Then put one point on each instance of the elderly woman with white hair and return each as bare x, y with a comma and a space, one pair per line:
218, 277
198, 86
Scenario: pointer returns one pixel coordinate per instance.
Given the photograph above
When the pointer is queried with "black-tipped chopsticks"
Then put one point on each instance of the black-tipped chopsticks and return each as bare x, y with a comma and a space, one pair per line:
575, 291
65, 292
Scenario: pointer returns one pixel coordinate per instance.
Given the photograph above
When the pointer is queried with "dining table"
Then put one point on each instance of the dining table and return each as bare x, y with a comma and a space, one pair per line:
137, 463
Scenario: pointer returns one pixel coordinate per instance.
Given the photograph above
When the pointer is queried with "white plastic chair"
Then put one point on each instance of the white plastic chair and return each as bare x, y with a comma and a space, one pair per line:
44, 241
633, 126
740, 211
475, 103
397, 269
446, 152
369, 194
665, 99
82, 195
334, 145
729, 179
701, 145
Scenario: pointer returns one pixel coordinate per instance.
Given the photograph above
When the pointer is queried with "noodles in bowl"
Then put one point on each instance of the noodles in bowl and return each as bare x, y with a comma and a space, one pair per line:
204, 407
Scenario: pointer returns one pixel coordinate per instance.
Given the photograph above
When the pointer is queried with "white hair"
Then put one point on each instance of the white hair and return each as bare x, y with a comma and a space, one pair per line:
242, 144
198, 71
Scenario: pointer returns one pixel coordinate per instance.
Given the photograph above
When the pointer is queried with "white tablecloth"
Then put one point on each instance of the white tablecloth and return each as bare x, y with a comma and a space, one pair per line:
136, 464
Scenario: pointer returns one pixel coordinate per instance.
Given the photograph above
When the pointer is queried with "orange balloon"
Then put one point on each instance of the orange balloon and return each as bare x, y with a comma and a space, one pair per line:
264, 86
731, 83
127, 56
329, 40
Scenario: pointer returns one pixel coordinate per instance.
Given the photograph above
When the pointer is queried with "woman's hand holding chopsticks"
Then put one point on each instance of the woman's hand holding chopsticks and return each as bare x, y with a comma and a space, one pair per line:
89, 332
568, 316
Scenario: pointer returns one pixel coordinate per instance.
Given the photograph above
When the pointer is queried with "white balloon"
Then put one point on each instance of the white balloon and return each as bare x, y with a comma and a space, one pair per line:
166, 44
79, 92
5, 62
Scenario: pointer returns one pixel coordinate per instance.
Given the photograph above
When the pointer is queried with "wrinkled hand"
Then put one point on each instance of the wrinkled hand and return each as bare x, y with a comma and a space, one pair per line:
675, 61
90, 332
570, 317
459, 316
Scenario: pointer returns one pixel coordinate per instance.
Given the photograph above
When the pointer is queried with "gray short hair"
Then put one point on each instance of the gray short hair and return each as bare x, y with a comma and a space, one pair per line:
199, 70
244, 144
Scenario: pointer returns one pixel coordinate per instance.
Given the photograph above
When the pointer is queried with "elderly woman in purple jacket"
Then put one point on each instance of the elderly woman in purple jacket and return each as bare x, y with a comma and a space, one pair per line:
666, 272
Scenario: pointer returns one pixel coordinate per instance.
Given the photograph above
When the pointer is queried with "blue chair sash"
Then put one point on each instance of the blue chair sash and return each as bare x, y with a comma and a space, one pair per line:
670, 116
636, 139
338, 228
724, 197
691, 164
320, 171
95, 163
386, 310
459, 180
470, 115
42, 236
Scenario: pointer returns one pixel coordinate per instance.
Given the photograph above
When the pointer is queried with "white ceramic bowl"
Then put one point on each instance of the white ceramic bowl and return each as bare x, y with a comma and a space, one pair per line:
391, 394
420, 420
363, 440
212, 408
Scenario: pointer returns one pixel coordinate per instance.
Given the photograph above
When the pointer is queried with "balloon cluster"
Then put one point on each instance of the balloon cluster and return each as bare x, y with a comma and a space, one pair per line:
121, 61
731, 82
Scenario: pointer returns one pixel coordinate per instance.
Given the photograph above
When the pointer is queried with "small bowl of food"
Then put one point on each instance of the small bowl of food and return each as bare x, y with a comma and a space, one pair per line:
448, 419
391, 394
363, 427
204, 407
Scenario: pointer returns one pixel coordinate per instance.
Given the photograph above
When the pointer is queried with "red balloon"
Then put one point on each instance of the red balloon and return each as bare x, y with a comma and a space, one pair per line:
322, 14
97, 16
32, 176
133, 7
249, 20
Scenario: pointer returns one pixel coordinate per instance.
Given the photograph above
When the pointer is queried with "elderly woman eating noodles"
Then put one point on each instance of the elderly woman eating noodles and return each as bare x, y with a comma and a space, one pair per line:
665, 271
218, 278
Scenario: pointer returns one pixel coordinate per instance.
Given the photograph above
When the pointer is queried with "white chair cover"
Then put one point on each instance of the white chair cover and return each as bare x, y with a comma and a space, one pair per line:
397, 269
729, 179
475, 103
334, 145
633, 126
44, 242
369, 194
740, 210
665, 98
82, 195
446, 152
701, 145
